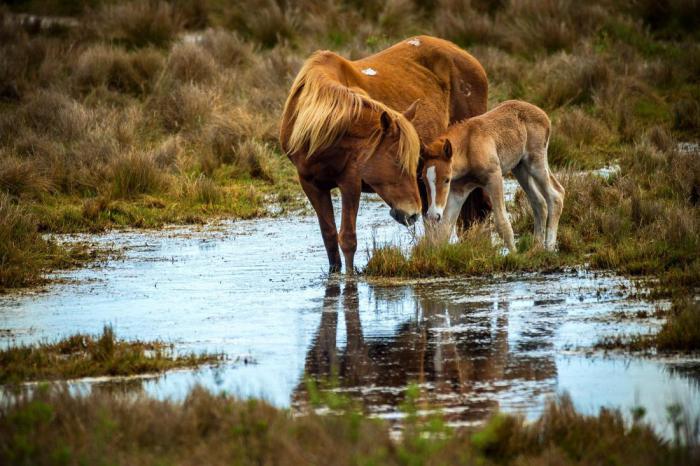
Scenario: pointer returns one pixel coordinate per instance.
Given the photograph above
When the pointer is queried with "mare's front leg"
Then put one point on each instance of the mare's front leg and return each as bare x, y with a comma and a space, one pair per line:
323, 205
350, 196
494, 188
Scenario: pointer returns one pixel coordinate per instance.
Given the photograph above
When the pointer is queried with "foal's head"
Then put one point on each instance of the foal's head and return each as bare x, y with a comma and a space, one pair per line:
436, 175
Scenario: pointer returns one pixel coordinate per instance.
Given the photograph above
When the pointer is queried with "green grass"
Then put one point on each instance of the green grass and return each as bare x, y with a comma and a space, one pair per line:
82, 355
51, 426
679, 332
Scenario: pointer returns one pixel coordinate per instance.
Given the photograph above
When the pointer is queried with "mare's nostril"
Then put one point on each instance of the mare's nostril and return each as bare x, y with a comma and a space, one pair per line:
439, 217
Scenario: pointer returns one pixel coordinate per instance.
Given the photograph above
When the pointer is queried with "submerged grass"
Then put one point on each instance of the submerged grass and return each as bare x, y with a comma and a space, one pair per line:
51, 426
82, 355
679, 332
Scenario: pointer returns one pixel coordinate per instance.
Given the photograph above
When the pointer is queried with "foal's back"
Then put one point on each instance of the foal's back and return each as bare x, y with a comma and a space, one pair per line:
513, 129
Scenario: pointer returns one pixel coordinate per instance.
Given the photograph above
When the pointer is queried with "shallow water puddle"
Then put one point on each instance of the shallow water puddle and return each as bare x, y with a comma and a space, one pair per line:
257, 291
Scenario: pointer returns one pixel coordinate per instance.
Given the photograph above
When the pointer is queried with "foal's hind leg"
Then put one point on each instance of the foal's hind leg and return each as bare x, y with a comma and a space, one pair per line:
553, 193
537, 202
494, 188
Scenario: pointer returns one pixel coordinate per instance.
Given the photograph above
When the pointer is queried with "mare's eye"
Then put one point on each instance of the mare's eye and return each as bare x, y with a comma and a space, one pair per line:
447, 180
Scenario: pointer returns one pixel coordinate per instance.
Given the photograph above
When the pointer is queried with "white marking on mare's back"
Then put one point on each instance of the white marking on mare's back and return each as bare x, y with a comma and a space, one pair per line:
414, 42
369, 71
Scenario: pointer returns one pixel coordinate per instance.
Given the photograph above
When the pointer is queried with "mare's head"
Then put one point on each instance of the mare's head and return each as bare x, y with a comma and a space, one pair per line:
436, 175
391, 162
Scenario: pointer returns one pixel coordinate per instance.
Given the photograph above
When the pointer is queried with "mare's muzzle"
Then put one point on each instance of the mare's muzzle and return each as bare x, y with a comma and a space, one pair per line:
402, 217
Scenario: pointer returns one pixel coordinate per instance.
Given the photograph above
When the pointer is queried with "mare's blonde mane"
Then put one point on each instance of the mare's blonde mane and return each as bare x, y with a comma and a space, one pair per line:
325, 109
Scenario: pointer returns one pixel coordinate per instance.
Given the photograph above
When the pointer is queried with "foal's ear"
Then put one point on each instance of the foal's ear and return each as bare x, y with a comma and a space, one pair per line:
447, 149
410, 112
386, 121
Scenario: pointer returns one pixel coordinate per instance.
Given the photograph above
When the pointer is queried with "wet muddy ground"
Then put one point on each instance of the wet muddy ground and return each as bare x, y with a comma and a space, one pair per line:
257, 290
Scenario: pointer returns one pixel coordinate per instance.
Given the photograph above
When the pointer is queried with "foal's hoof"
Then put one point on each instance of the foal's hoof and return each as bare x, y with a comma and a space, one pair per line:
334, 268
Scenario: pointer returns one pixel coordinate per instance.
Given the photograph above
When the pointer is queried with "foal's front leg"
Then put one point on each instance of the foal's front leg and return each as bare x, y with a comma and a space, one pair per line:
494, 188
350, 196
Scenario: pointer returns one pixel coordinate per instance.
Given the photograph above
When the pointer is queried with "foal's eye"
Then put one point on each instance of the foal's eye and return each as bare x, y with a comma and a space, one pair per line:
447, 180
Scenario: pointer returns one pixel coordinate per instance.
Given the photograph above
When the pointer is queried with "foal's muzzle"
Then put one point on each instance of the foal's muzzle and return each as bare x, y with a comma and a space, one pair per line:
402, 217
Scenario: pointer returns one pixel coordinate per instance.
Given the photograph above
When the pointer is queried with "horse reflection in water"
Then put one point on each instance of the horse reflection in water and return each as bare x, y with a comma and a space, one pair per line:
461, 359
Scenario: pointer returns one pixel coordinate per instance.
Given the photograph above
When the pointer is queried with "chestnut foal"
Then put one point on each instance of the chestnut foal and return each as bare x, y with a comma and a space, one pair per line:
513, 137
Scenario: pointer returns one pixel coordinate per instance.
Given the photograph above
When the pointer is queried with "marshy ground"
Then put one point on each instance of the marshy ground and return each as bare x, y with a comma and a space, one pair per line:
149, 129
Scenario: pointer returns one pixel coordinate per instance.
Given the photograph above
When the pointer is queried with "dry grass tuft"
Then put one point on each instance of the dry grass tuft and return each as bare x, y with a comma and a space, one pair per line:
257, 159
190, 63
20, 177
136, 173
82, 355
140, 23
184, 107
56, 114
570, 79
117, 69
22, 250
271, 21
549, 25
229, 50
460, 22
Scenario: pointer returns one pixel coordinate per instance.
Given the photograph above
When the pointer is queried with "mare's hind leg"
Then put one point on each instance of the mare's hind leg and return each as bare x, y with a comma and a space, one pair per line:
323, 205
537, 202
494, 188
553, 193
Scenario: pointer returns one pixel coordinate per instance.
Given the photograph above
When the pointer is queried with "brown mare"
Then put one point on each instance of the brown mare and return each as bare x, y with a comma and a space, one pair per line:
340, 112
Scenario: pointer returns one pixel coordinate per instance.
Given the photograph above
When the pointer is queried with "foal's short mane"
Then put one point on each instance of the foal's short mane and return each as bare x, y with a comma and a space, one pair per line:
325, 109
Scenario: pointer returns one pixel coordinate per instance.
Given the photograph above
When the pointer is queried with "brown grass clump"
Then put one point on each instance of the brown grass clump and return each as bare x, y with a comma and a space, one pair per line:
681, 331
570, 79
150, 22
56, 114
22, 177
258, 159
90, 356
136, 173
581, 129
550, 25
460, 22
190, 63
229, 50
117, 69
203, 190
264, 21
22, 249
184, 107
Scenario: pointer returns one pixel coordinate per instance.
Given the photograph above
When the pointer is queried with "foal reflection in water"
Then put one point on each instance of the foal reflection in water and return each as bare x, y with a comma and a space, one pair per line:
460, 358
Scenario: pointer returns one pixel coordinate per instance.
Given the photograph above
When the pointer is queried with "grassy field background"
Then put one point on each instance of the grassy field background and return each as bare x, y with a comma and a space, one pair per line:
140, 113
116, 114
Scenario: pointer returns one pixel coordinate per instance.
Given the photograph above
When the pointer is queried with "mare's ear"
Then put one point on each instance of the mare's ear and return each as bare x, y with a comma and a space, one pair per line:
386, 121
410, 112
423, 150
447, 149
